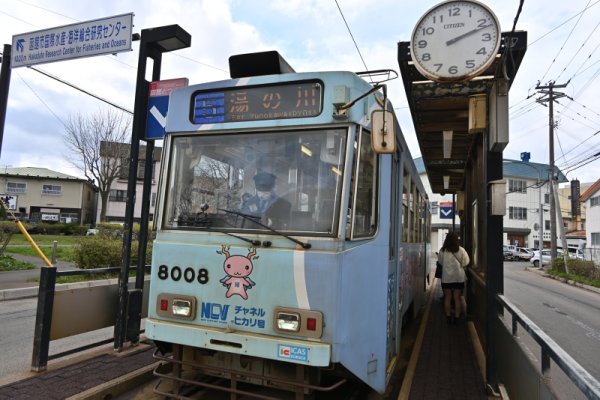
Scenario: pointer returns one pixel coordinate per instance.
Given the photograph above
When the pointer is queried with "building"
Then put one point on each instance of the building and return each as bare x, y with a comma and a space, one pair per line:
527, 192
117, 199
591, 199
43, 195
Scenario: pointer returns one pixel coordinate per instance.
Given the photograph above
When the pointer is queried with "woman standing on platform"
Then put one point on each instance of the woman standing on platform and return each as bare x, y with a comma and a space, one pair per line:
454, 259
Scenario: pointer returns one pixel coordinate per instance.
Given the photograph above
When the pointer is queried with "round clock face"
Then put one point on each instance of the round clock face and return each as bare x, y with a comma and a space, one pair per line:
455, 41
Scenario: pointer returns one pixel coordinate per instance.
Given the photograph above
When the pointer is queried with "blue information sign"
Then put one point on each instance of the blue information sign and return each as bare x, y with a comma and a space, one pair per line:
158, 106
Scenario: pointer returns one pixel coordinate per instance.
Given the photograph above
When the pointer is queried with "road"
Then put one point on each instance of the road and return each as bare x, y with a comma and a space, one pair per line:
568, 314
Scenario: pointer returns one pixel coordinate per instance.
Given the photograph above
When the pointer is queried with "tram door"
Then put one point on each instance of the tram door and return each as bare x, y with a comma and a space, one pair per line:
394, 260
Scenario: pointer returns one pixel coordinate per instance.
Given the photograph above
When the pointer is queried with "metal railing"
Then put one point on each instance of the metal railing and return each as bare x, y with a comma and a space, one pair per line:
43, 323
550, 350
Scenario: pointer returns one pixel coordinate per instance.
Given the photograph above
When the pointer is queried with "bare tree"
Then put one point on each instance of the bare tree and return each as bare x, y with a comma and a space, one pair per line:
98, 144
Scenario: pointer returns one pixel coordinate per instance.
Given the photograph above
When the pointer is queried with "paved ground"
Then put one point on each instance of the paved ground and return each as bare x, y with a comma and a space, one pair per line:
28, 278
102, 372
447, 368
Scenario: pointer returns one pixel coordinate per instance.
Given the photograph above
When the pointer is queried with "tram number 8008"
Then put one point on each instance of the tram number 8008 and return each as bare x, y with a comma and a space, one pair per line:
188, 274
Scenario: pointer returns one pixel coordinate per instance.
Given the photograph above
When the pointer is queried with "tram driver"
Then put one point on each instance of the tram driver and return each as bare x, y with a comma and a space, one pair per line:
274, 210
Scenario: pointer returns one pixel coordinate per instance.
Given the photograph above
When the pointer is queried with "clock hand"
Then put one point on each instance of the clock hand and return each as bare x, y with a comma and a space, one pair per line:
459, 37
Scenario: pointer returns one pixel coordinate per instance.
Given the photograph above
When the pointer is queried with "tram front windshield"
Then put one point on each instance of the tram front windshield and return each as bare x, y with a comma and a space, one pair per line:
287, 181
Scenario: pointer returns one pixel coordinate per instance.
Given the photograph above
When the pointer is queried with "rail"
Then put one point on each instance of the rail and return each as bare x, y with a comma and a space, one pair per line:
588, 385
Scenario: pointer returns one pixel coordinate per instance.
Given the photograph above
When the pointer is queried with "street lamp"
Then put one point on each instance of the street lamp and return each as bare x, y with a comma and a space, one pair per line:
153, 43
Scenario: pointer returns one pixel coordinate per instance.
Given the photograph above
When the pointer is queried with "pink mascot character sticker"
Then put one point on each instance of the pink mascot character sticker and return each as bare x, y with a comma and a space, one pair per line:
237, 269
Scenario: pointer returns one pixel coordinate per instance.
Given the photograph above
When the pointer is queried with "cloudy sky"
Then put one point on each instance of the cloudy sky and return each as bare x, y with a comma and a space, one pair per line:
313, 35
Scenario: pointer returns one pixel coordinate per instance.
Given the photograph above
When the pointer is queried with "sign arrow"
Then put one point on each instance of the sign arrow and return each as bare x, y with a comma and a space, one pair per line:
162, 120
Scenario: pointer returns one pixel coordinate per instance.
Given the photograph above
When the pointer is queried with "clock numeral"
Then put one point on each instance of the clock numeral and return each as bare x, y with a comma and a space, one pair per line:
470, 63
482, 23
422, 44
481, 51
453, 12
426, 57
486, 37
438, 67
428, 31
435, 17
453, 69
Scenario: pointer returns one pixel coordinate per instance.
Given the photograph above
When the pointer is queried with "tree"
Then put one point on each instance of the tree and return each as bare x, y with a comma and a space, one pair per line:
98, 142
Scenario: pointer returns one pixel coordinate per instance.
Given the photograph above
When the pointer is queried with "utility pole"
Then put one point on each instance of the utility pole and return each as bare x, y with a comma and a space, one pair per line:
549, 96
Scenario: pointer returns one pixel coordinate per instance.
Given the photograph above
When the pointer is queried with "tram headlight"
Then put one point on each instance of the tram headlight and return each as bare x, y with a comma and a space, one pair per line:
176, 306
182, 308
288, 321
298, 322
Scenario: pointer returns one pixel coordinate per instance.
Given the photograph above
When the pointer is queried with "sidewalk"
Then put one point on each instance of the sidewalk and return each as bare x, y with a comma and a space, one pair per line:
102, 374
25, 283
445, 367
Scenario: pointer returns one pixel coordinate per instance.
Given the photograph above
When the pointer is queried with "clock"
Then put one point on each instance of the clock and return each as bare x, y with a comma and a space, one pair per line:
455, 41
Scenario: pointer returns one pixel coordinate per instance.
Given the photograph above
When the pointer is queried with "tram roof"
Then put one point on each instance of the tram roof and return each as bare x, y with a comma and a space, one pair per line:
436, 107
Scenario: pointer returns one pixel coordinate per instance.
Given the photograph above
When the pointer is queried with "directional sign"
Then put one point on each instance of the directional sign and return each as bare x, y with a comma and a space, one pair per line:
158, 106
85, 39
446, 211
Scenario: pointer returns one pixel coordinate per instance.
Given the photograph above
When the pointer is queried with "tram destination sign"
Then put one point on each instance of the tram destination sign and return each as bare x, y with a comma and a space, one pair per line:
256, 103
85, 39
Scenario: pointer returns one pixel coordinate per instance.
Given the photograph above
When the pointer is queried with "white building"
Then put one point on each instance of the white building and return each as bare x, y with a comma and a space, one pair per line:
591, 198
527, 187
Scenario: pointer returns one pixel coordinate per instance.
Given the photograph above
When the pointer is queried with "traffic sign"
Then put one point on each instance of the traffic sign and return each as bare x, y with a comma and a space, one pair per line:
84, 39
158, 106
446, 210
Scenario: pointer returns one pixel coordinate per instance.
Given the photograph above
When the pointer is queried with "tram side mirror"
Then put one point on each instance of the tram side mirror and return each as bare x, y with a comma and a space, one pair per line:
383, 136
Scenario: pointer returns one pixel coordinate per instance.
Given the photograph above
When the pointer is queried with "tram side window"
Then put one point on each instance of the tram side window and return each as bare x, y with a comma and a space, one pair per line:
405, 205
365, 211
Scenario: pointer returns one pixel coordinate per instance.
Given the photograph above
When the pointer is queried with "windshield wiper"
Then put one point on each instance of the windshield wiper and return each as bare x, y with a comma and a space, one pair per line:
255, 219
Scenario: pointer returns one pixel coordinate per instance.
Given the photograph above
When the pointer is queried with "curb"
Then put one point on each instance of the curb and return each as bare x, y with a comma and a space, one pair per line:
564, 280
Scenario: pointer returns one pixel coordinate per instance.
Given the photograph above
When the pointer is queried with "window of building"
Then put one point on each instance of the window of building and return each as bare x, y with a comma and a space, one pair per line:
546, 198
595, 238
517, 213
547, 225
51, 190
69, 218
594, 201
515, 185
117, 195
15, 187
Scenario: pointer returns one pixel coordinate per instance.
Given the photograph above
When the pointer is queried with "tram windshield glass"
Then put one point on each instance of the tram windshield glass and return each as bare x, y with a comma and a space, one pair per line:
287, 181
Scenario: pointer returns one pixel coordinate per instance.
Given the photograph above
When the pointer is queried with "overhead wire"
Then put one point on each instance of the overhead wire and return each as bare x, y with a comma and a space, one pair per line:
565, 42
352, 36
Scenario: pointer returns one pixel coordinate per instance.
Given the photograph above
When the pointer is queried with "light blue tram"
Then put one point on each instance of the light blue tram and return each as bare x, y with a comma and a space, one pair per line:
292, 230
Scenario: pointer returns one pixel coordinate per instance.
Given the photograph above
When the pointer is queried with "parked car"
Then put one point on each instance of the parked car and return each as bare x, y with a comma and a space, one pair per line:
546, 260
523, 254
508, 254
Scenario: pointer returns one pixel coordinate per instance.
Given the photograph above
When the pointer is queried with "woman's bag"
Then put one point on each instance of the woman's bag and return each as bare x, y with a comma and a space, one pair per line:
438, 269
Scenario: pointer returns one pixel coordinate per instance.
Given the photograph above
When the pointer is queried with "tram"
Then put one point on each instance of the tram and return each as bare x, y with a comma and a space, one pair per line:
292, 231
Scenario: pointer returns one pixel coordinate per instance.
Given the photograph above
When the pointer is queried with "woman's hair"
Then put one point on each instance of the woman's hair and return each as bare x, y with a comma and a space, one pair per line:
451, 243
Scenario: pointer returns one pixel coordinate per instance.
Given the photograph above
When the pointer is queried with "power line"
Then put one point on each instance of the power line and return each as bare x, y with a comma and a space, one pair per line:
80, 89
565, 42
558, 26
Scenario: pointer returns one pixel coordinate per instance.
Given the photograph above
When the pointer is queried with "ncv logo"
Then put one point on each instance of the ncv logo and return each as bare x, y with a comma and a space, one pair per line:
215, 311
